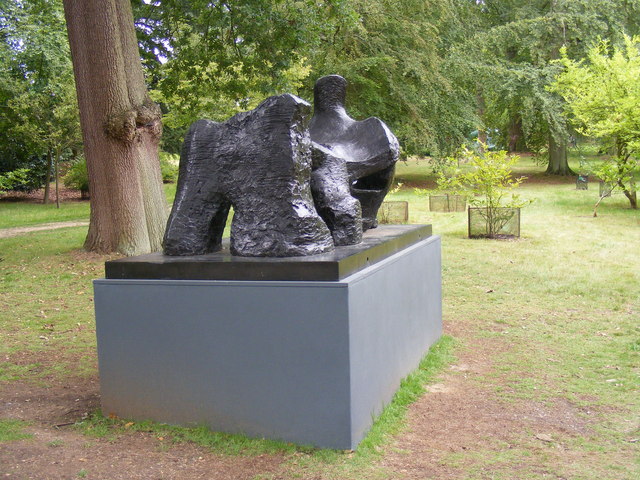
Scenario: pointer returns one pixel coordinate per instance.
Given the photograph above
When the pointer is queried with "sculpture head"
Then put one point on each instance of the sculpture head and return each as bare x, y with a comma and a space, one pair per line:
329, 93
369, 148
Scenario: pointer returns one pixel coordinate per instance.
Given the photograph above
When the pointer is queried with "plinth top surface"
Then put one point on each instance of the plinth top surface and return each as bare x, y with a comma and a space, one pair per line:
377, 244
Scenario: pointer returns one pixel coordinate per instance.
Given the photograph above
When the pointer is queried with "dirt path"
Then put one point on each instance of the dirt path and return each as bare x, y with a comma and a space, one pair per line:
58, 451
462, 429
15, 231
458, 416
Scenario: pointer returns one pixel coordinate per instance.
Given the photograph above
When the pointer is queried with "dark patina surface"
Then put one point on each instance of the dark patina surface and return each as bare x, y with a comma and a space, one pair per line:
368, 148
259, 163
295, 191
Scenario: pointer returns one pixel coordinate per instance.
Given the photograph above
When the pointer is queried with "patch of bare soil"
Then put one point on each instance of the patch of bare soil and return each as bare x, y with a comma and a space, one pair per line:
64, 454
37, 196
57, 451
86, 256
453, 426
52, 406
458, 416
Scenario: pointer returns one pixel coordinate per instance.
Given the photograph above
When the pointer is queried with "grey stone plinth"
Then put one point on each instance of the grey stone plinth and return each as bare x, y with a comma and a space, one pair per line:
311, 362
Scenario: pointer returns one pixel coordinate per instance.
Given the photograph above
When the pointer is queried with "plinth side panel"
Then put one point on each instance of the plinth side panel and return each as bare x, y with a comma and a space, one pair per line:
267, 359
395, 312
311, 362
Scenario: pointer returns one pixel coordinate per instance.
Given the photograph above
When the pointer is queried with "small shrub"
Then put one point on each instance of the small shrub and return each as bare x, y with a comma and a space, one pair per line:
445, 198
447, 203
501, 222
77, 177
9, 180
488, 185
31, 176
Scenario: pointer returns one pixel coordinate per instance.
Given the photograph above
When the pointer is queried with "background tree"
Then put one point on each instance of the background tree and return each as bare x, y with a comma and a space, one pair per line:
49, 120
394, 56
39, 125
213, 59
511, 57
602, 95
121, 128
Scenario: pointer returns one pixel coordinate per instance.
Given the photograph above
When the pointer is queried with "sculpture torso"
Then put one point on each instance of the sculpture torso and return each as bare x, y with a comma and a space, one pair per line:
294, 191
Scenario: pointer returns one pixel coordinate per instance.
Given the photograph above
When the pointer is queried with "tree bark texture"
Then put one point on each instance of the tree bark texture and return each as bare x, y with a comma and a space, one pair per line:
121, 129
558, 161
623, 159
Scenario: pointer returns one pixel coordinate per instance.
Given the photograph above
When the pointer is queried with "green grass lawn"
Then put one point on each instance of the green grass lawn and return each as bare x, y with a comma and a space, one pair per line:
24, 214
562, 302
566, 298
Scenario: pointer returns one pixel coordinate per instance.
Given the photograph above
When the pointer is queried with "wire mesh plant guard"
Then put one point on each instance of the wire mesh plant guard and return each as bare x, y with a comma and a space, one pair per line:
393, 212
605, 189
488, 183
494, 222
447, 203
582, 182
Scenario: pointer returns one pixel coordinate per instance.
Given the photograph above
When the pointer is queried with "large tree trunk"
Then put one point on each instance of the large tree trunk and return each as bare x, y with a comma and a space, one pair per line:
558, 161
121, 129
628, 190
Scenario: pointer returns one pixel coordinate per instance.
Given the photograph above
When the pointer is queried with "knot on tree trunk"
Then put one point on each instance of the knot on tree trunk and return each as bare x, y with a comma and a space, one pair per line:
128, 125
